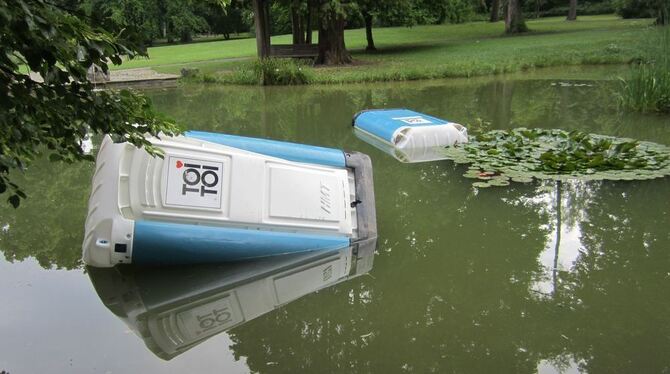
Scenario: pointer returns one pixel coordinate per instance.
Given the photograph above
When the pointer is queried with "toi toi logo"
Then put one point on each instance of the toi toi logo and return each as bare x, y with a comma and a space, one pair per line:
200, 179
194, 183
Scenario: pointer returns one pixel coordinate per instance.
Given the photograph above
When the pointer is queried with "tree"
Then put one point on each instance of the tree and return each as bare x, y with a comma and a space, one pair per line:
182, 22
389, 12
495, 11
572, 12
332, 20
645, 8
514, 22
225, 21
54, 115
138, 16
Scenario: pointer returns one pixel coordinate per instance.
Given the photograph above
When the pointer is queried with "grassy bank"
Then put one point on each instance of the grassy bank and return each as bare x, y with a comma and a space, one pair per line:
424, 52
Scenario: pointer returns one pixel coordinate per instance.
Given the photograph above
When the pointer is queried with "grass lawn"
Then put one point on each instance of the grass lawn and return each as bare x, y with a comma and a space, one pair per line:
434, 51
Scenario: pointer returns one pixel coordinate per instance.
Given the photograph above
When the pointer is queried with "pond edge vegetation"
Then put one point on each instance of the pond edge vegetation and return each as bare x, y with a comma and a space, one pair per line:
647, 87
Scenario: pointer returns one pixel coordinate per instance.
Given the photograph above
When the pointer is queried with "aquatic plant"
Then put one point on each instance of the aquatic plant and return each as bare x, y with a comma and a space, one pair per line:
520, 155
647, 88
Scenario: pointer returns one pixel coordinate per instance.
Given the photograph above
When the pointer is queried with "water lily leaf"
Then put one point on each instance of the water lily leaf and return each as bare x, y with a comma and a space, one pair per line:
524, 154
481, 185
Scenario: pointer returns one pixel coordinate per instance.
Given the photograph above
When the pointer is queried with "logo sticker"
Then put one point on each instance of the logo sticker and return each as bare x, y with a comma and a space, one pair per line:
194, 183
416, 120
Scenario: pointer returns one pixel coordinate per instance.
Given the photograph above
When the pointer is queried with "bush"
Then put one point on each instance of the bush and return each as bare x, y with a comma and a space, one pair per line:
633, 8
583, 9
276, 71
459, 11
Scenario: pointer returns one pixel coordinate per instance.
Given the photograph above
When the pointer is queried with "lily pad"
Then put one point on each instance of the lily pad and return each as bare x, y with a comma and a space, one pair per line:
521, 155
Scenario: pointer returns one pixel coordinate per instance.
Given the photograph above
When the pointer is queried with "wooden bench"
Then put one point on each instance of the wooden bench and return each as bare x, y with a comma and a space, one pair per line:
294, 50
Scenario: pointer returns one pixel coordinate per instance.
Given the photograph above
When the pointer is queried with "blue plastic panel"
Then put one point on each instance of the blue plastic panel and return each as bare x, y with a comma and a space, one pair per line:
384, 122
288, 151
162, 243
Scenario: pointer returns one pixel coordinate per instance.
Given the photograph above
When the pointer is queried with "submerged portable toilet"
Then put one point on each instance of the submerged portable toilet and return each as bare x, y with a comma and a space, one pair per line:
216, 197
408, 135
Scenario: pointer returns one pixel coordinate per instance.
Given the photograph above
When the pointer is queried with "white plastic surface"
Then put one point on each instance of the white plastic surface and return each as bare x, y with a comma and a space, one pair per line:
430, 136
198, 182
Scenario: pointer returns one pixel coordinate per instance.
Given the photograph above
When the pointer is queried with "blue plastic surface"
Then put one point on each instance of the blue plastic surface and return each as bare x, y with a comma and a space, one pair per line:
384, 122
288, 151
162, 243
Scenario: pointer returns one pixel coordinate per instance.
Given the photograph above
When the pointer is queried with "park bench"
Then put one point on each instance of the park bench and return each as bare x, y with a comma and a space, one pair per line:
294, 50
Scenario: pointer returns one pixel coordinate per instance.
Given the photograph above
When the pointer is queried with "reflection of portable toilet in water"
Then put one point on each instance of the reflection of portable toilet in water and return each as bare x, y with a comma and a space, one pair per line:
174, 309
407, 135
216, 197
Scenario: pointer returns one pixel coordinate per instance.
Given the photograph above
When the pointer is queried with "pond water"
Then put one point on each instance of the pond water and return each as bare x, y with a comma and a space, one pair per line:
543, 277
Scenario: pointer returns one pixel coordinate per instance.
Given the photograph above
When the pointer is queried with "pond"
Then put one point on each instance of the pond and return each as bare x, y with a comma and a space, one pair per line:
549, 277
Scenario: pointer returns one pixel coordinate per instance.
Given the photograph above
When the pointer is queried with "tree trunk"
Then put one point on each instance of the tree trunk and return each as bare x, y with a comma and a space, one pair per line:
297, 26
537, 8
308, 25
514, 22
186, 37
368, 31
332, 50
495, 11
663, 13
262, 24
505, 6
572, 13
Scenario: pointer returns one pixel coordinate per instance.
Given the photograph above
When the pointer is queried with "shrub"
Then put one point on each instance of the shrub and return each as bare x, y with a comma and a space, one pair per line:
275, 71
459, 11
633, 8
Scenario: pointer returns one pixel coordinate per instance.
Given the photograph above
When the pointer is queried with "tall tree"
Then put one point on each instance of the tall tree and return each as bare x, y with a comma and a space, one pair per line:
572, 12
514, 22
495, 11
332, 20
662, 8
392, 12
55, 114
139, 16
182, 21
262, 27
367, 17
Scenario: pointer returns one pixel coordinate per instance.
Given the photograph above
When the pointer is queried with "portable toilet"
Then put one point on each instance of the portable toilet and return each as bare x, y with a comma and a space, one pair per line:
215, 197
408, 135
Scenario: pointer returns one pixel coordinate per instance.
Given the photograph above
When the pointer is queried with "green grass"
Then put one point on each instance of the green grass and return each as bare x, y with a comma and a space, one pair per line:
424, 52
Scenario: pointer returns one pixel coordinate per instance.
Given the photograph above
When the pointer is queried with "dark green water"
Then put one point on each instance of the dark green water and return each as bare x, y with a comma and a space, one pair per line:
528, 278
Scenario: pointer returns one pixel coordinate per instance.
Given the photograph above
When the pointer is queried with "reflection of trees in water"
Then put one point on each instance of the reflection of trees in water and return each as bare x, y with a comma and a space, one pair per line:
617, 291
462, 306
466, 304
587, 106
49, 225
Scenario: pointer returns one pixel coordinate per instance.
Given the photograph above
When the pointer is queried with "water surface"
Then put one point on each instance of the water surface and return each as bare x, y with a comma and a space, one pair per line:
545, 277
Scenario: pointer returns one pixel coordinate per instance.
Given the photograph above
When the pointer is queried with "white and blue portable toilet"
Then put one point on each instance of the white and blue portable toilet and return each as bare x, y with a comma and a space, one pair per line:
216, 197
408, 135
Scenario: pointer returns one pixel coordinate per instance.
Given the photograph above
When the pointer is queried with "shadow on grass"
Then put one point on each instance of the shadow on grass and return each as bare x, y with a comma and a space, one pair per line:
399, 49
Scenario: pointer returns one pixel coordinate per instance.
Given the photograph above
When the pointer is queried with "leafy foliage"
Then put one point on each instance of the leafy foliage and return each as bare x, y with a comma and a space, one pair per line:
523, 154
57, 112
643, 9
